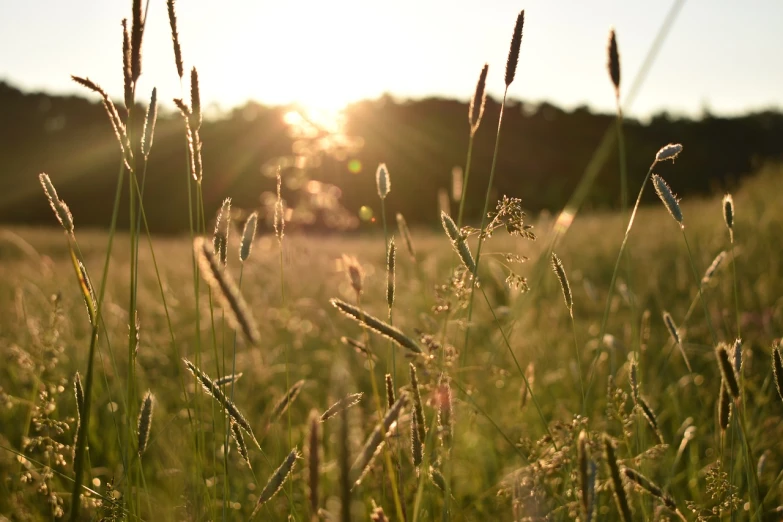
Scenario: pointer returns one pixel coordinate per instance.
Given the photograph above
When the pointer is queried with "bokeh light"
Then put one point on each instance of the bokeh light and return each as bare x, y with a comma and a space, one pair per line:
354, 166
365, 213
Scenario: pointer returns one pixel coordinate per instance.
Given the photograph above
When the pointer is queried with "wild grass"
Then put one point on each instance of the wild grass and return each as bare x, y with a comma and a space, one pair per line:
502, 425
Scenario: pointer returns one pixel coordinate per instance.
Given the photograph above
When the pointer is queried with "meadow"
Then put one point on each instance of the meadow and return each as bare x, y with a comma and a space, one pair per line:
542, 367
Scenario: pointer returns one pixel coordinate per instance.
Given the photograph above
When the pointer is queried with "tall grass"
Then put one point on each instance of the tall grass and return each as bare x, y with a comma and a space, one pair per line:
476, 450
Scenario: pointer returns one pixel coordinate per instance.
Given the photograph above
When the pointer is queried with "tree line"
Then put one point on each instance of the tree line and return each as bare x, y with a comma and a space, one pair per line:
543, 154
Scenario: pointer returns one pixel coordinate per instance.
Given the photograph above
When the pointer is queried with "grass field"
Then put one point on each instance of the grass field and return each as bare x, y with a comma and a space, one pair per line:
501, 464
596, 371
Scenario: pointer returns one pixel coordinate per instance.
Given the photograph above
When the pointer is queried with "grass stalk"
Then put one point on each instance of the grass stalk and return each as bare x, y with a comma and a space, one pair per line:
84, 425
465, 344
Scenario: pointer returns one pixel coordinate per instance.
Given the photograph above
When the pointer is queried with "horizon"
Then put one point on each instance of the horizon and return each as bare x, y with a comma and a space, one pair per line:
352, 63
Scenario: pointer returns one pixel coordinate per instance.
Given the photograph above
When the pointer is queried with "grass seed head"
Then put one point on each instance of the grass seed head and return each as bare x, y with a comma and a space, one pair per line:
175, 38
390, 398
354, 272
478, 101
417, 450
286, 400
79, 395
114, 118
667, 318
670, 151
513, 52
127, 74
727, 370
145, 421
736, 356
341, 405
61, 210
668, 198
237, 311
716, 263
777, 369
275, 482
137, 32
248, 236
530, 378
445, 411
649, 486
724, 406
377, 514
375, 441
583, 458
614, 62
228, 379
618, 486
634, 378
222, 229
652, 420
728, 213
557, 266
195, 101
405, 232
239, 439
382, 181
279, 219
459, 242
391, 260
376, 325
149, 124
418, 407
313, 461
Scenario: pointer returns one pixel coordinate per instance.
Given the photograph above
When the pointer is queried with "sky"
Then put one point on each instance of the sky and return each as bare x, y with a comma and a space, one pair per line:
720, 55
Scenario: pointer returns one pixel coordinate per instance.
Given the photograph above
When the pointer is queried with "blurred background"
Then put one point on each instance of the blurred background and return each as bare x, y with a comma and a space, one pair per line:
328, 90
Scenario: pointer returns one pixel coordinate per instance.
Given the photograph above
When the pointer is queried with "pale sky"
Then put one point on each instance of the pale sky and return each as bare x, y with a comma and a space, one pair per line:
721, 54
